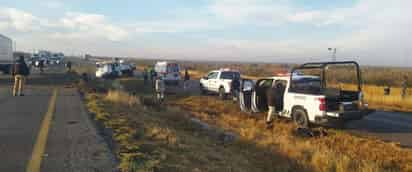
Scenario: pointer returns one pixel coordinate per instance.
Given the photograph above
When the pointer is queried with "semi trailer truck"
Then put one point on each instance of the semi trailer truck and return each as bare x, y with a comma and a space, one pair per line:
6, 54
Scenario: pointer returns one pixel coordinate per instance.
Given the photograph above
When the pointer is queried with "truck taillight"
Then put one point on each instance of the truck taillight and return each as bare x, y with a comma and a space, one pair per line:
322, 104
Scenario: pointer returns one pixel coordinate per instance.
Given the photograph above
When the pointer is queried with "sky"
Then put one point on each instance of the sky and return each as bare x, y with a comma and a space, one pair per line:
373, 32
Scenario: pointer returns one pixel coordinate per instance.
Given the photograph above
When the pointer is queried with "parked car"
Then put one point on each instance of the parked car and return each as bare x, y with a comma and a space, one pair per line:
219, 81
309, 97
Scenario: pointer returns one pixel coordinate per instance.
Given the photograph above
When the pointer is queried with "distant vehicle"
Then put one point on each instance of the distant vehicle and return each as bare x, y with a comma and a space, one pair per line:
6, 54
310, 96
127, 69
56, 58
169, 71
108, 70
114, 69
219, 81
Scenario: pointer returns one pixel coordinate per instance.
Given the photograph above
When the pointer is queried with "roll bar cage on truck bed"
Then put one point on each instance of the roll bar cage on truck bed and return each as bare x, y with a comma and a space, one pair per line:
324, 65
307, 98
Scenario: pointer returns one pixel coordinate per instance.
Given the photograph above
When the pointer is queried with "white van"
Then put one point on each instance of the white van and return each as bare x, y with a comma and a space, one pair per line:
169, 71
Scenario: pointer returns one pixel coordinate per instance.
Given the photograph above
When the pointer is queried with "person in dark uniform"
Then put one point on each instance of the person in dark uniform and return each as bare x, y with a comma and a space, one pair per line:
275, 95
271, 102
145, 76
280, 92
20, 72
41, 66
186, 79
235, 88
69, 66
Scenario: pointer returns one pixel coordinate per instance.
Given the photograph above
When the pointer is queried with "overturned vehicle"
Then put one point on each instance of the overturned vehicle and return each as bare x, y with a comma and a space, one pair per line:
314, 93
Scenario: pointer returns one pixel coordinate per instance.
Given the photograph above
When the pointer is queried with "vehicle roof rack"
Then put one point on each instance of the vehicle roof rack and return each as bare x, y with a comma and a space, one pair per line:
323, 64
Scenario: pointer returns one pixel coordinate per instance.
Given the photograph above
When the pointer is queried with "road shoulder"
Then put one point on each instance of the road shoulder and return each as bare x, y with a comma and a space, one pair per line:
74, 143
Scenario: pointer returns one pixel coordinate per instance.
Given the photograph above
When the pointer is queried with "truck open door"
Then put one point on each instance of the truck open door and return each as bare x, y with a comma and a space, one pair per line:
246, 94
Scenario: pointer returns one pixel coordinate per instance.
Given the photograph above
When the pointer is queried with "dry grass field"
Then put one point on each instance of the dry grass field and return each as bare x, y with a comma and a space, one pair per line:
338, 151
149, 137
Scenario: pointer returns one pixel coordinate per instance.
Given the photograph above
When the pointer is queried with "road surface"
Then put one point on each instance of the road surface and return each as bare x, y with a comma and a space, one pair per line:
388, 126
48, 129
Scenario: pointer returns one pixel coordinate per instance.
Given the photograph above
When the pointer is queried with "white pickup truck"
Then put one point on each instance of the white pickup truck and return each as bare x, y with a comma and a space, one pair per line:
219, 81
308, 97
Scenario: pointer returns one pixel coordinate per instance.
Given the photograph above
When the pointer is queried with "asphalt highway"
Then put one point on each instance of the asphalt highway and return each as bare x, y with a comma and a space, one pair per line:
48, 129
388, 126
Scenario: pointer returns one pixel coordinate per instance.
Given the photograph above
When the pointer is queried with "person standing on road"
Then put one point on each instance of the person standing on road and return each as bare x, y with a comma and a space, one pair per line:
186, 79
20, 71
153, 76
160, 88
271, 95
41, 66
69, 66
145, 77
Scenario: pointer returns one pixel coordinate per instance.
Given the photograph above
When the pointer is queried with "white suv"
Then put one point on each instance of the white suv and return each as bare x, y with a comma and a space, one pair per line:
219, 81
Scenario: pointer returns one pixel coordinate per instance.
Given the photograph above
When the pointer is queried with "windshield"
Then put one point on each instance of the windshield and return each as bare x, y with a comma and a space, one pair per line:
230, 75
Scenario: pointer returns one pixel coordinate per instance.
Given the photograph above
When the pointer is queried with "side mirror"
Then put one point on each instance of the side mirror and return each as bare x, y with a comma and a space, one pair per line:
205, 78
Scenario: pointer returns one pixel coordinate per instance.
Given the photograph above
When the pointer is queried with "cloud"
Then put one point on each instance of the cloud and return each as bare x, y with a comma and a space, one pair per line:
177, 26
54, 4
84, 26
255, 11
11, 18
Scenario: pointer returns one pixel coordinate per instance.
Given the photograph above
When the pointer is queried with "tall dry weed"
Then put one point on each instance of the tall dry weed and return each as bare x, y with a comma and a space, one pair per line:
121, 97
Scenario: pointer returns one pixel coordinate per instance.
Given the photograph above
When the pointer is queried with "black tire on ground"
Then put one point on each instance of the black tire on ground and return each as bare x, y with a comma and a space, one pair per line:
222, 94
300, 118
202, 90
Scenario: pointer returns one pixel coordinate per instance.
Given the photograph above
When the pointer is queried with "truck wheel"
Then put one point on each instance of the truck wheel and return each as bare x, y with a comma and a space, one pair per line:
300, 118
202, 90
222, 94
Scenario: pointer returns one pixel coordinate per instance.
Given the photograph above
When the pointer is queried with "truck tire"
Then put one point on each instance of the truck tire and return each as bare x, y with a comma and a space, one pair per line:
203, 91
222, 94
300, 118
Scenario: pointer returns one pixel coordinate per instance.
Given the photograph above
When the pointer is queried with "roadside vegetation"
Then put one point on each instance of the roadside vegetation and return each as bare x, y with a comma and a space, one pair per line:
149, 137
